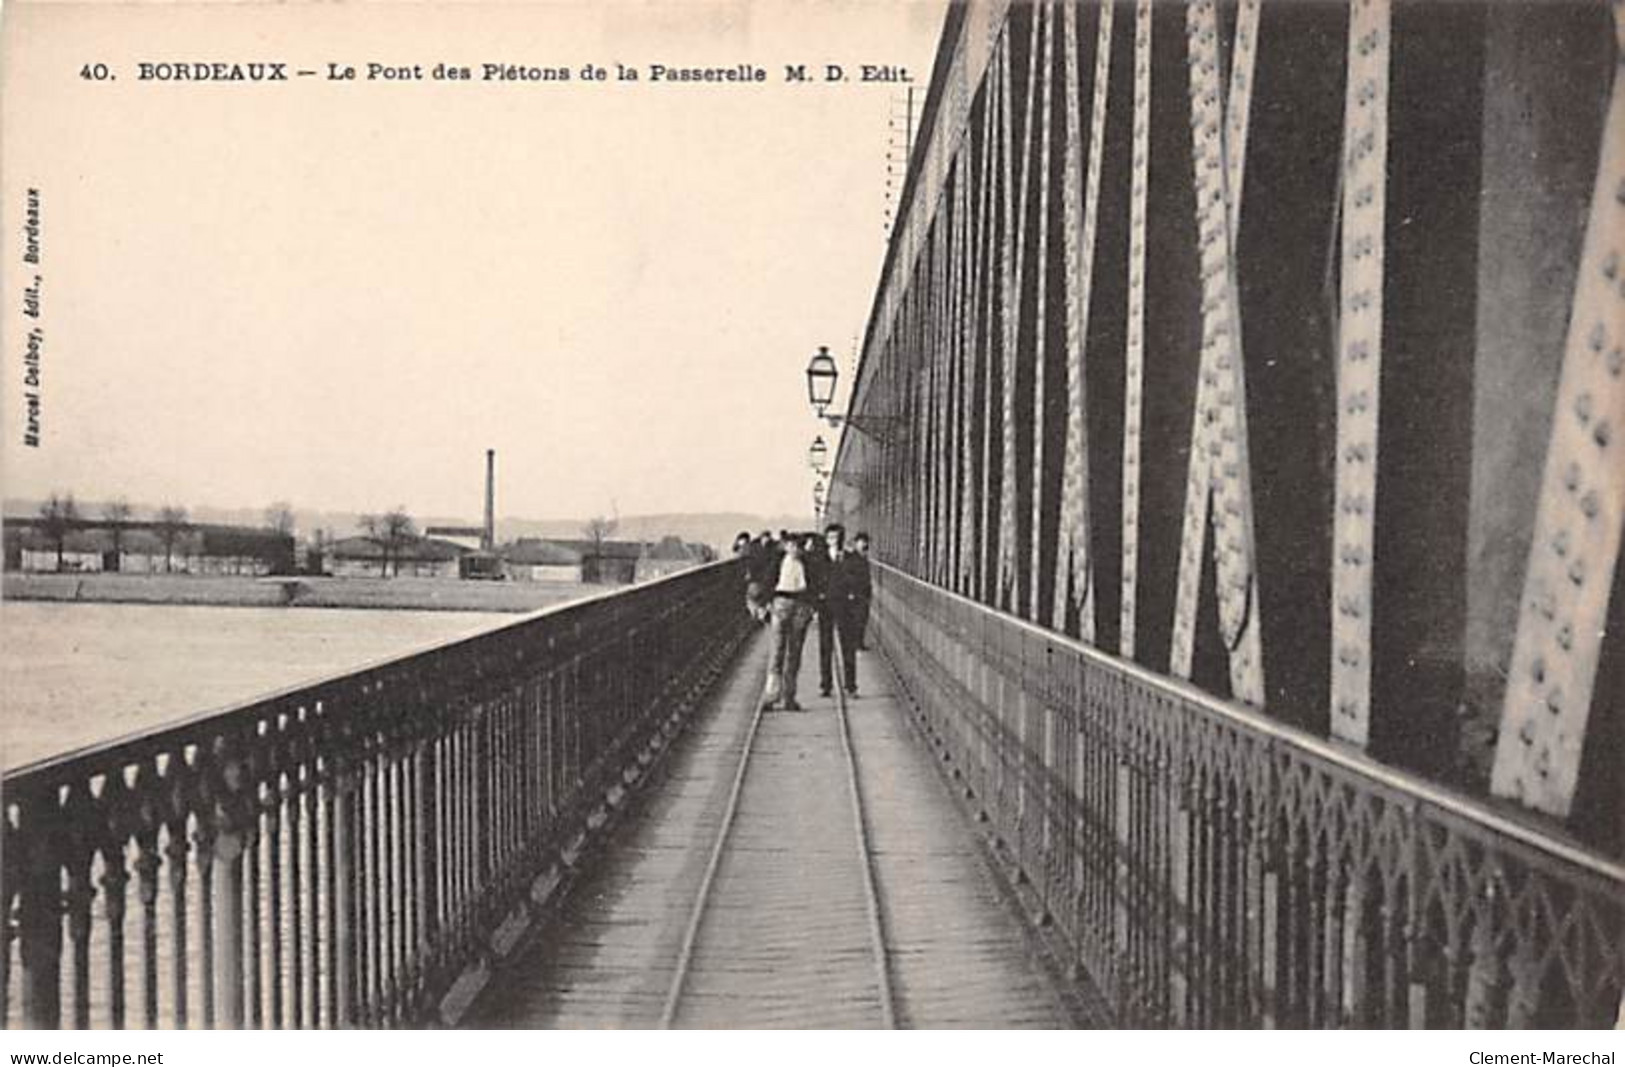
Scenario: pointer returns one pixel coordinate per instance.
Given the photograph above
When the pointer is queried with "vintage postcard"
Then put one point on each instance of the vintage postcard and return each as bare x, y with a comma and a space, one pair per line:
746, 514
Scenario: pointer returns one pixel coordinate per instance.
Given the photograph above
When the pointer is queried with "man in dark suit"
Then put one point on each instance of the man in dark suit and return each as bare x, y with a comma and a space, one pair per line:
844, 588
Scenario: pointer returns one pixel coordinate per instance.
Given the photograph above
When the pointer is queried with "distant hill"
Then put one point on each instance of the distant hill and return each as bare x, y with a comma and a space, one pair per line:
716, 529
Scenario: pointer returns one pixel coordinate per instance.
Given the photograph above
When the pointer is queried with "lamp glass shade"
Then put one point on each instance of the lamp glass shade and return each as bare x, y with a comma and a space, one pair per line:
821, 376
817, 454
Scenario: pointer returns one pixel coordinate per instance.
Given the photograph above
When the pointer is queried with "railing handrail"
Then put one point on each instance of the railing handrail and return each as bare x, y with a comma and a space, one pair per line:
340, 853
1550, 839
164, 734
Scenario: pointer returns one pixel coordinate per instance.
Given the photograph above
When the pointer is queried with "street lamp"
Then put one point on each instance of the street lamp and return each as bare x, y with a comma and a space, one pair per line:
818, 454
821, 377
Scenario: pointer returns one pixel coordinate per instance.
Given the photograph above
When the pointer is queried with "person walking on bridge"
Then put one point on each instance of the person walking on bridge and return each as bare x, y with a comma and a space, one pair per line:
792, 608
761, 568
865, 587
844, 590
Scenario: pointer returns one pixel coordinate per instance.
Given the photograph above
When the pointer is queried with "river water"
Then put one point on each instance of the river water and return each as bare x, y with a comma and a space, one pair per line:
75, 674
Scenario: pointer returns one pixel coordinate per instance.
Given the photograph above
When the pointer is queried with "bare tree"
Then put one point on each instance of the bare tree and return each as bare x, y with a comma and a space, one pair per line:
372, 526
279, 517
170, 524
57, 516
116, 513
598, 530
390, 531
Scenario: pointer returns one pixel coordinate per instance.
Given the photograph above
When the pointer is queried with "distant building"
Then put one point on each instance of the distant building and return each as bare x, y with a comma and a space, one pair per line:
532, 559
417, 557
197, 548
613, 562
481, 565
607, 562
470, 537
29, 549
670, 555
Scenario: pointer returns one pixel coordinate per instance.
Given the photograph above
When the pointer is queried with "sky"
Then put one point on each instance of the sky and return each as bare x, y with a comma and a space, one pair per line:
339, 293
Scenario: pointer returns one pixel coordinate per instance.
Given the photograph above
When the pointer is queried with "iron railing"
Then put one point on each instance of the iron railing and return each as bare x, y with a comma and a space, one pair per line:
339, 854
1210, 867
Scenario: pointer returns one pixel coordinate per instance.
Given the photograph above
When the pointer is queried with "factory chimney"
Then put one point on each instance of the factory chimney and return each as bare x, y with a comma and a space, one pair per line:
488, 537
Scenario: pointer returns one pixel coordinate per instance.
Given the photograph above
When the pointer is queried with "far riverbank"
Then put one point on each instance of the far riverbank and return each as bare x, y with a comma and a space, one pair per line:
399, 594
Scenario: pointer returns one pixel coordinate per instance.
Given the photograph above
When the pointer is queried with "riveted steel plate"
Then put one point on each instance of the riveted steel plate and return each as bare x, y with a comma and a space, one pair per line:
1575, 548
1073, 555
1219, 462
1014, 279
1134, 370
1359, 361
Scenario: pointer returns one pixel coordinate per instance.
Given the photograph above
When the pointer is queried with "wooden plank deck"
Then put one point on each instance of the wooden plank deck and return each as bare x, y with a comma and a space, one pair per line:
785, 939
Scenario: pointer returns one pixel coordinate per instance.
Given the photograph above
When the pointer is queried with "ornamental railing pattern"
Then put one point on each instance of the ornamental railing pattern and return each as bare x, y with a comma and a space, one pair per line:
341, 854
1212, 867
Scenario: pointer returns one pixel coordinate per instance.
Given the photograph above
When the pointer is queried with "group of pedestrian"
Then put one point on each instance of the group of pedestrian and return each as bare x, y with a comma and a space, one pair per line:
794, 578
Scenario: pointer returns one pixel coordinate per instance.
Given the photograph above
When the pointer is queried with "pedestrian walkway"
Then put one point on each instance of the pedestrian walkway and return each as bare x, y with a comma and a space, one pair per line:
788, 933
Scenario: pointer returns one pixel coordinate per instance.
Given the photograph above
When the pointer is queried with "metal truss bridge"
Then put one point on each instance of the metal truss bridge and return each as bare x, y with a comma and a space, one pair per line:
1235, 422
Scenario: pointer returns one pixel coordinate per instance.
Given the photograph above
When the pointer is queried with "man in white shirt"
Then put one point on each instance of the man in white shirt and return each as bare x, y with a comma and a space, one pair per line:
792, 611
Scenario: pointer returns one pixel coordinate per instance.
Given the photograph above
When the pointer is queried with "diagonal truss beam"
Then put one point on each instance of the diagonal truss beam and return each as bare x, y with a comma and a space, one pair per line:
1220, 481
1014, 279
1359, 361
1134, 359
1575, 550
1074, 572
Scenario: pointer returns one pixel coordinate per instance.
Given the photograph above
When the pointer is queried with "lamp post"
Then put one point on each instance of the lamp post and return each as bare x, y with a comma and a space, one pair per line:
818, 455
822, 374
